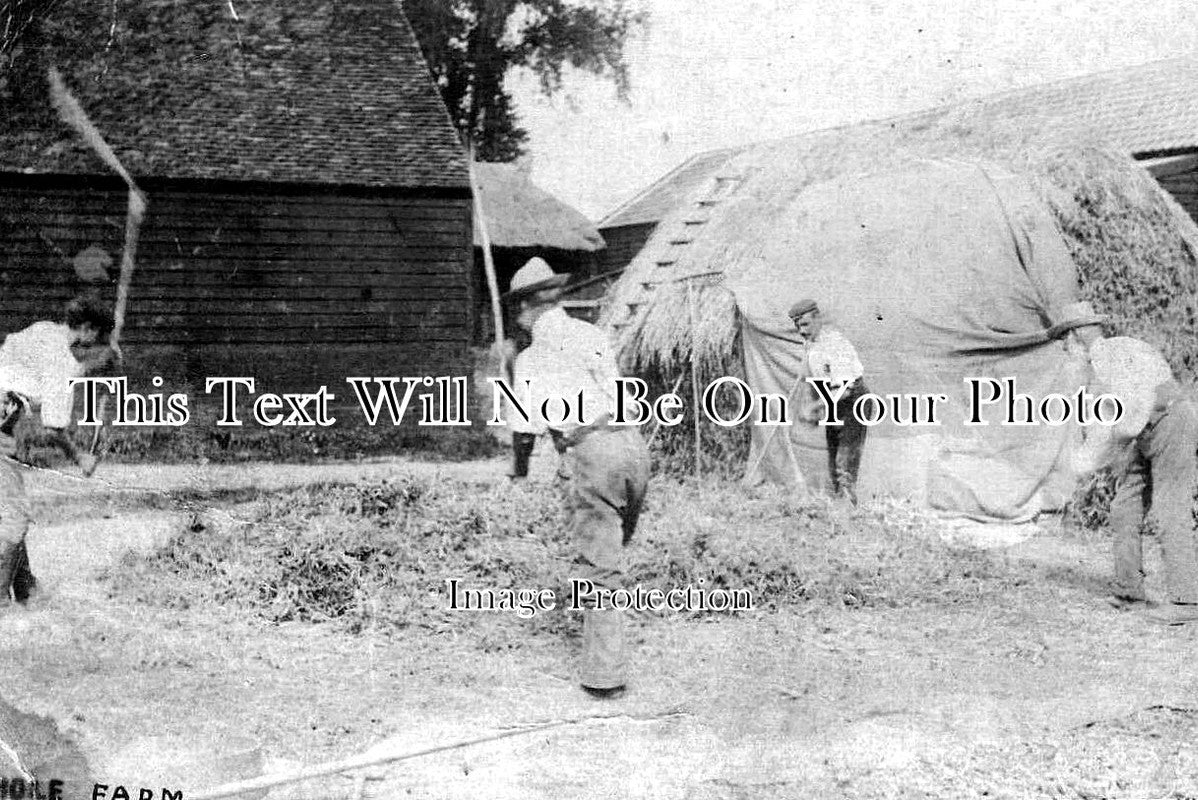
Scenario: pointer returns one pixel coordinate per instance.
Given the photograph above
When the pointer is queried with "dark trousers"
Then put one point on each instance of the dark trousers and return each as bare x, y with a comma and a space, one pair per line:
1159, 483
845, 443
607, 473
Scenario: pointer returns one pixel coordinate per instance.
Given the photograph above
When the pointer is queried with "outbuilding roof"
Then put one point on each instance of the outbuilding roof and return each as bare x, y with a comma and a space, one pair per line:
669, 192
1144, 111
520, 214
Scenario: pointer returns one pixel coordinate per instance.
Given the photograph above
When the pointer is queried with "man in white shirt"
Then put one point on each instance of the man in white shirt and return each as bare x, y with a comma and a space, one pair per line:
606, 467
1153, 451
16, 579
36, 367
831, 358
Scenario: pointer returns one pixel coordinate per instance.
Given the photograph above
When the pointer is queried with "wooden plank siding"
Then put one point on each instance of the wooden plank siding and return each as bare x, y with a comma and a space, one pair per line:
316, 280
1184, 188
623, 243
1178, 176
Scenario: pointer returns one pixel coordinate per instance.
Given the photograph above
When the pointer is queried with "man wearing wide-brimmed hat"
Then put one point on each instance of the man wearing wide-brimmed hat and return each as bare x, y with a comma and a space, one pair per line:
1152, 449
606, 467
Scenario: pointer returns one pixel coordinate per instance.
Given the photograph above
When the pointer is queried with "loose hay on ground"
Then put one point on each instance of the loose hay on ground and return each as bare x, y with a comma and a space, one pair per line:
379, 554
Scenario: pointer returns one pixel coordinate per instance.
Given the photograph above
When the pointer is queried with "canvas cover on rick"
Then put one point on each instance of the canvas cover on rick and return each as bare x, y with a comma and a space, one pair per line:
938, 273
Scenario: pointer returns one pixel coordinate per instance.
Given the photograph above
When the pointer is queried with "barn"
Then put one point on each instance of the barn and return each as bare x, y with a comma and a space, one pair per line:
309, 202
1147, 112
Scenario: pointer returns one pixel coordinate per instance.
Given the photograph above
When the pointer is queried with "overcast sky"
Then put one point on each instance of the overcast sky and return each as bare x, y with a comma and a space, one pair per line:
714, 73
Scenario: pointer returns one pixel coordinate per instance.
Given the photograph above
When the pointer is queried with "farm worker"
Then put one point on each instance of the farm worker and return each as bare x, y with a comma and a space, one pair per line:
606, 468
1152, 449
831, 358
36, 367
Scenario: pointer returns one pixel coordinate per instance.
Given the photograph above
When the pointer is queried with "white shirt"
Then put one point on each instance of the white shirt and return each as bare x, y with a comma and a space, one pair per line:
1132, 371
832, 358
37, 362
566, 356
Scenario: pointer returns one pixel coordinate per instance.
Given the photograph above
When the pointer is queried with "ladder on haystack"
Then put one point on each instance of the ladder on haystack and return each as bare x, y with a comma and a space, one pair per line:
671, 248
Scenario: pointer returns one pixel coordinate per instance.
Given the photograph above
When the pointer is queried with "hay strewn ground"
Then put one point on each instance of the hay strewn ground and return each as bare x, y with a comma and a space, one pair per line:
379, 555
904, 669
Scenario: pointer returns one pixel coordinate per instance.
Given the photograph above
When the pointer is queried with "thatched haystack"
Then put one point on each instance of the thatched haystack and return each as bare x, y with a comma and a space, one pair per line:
1133, 244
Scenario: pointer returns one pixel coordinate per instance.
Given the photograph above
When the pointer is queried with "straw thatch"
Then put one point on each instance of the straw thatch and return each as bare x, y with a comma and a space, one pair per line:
1134, 245
522, 215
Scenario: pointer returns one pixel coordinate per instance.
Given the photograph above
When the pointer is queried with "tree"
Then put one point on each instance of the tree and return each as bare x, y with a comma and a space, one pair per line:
16, 17
471, 44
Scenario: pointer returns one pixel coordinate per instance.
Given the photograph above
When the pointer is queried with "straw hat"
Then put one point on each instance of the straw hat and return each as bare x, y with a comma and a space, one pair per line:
533, 277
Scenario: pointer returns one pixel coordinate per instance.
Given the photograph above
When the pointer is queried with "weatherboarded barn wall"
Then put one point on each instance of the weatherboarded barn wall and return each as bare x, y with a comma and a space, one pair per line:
310, 214
623, 243
1179, 176
296, 286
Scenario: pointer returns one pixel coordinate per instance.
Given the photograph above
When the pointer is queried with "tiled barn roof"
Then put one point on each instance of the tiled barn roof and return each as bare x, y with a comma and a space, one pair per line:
294, 91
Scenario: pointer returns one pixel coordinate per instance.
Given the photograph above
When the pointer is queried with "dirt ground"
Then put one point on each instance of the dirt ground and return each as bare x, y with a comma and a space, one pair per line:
1045, 693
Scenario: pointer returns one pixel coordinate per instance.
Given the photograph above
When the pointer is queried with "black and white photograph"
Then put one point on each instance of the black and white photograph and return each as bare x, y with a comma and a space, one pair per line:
670, 399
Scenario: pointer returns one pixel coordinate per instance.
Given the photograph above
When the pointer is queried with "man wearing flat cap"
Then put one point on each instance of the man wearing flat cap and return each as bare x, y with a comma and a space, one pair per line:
831, 358
1152, 450
606, 467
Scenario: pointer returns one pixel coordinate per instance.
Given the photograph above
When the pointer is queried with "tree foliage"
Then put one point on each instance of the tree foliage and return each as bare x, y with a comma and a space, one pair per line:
471, 44
16, 17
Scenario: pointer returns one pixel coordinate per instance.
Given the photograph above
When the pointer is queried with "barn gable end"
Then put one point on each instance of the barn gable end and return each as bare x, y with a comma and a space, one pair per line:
310, 213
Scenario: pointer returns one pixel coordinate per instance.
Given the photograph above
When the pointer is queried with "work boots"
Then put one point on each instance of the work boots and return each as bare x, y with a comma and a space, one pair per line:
522, 447
24, 585
604, 659
16, 579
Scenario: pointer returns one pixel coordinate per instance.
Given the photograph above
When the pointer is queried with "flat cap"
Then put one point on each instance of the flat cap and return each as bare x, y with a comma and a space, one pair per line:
805, 306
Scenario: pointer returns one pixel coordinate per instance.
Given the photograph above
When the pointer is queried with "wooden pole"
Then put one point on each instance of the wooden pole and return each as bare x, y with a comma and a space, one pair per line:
72, 113
350, 764
658, 426
359, 762
137, 210
690, 304
489, 265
